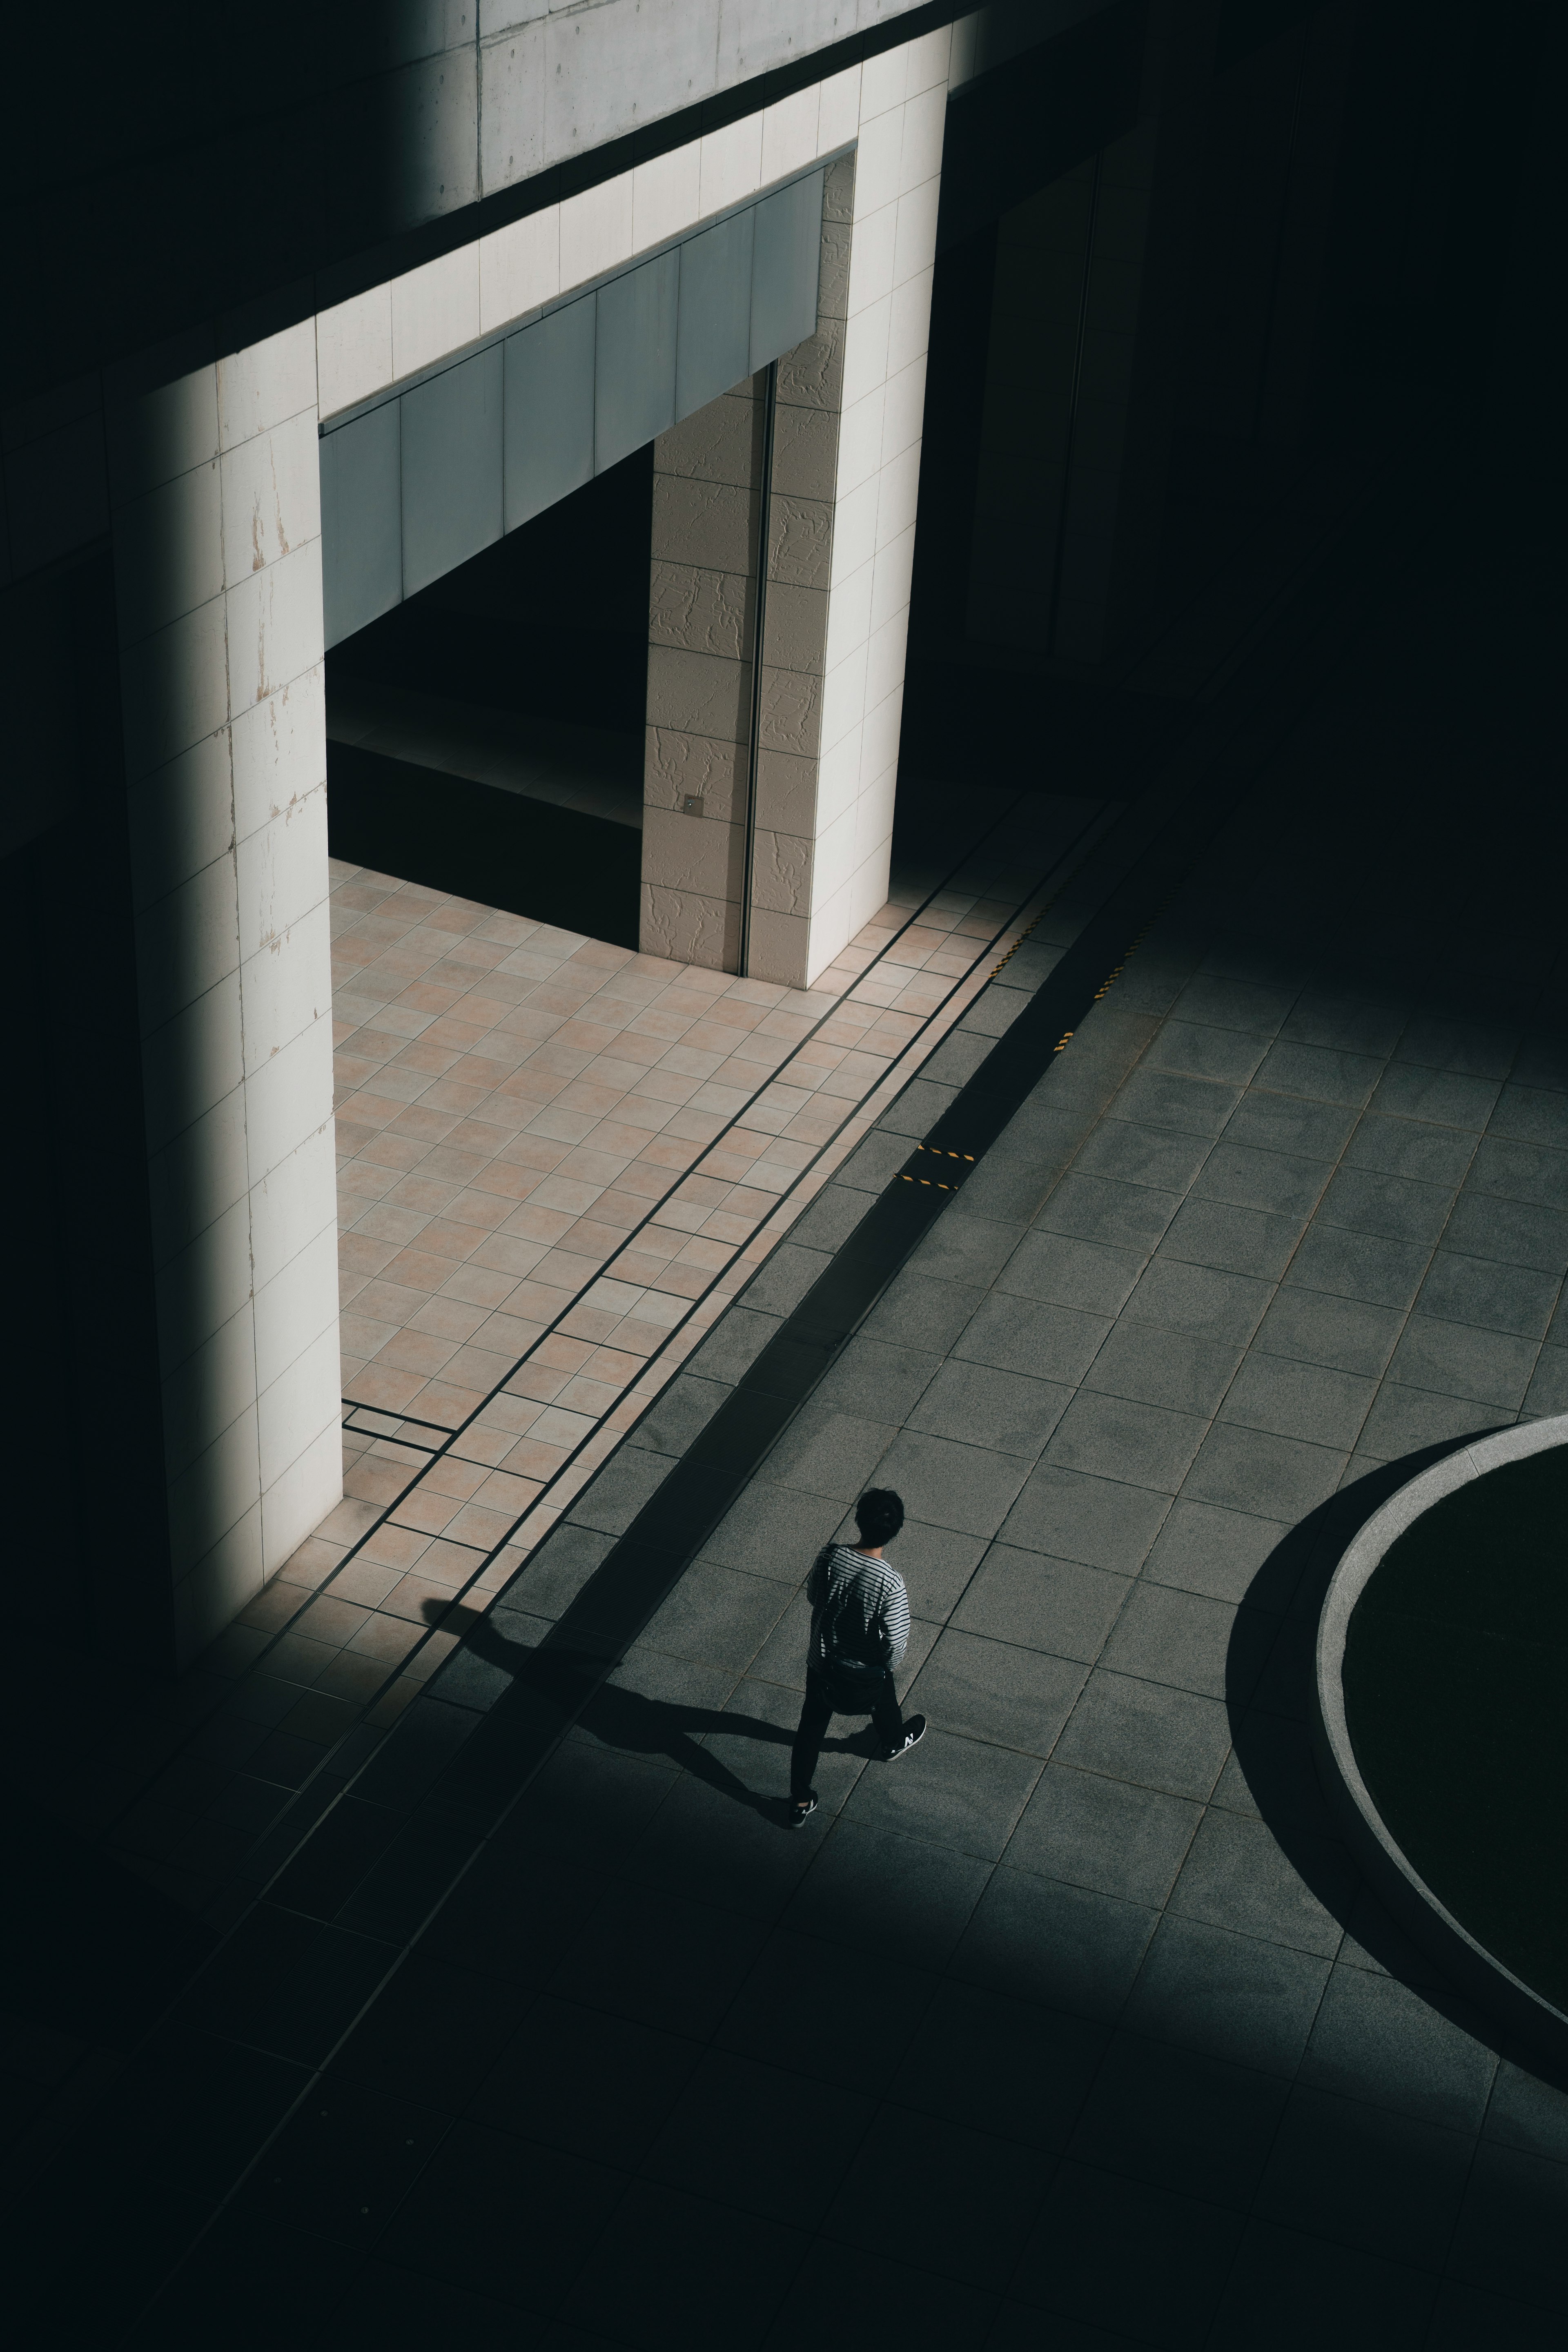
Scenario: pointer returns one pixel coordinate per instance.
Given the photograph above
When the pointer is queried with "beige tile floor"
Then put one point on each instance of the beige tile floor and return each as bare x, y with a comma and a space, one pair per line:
559, 1160
179, 1780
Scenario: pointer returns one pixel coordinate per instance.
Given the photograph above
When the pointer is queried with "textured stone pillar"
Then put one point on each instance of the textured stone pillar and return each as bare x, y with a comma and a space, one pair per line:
707, 514
795, 858
215, 518
702, 625
841, 549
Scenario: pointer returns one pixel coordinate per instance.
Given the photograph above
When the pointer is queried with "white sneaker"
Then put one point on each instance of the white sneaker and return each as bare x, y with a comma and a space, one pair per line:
914, 1731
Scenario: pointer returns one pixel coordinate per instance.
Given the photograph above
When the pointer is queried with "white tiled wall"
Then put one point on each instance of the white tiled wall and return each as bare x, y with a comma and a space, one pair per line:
701, 620
368, 343
215, 513
897, 115
847, 474
435, 309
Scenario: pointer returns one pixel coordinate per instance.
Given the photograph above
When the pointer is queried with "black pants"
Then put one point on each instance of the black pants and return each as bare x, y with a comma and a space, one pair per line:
876, 1697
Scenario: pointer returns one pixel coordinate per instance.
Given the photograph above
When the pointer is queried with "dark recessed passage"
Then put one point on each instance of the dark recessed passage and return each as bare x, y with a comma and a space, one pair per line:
486, 736
522, 856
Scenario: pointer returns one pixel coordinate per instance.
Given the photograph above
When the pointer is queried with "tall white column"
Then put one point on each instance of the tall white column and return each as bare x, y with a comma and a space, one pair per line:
217, 527
702, 638
840, 556
881, 401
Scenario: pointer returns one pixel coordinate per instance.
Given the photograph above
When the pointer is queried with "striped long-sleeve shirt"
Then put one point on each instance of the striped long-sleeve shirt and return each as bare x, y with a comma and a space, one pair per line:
859, 1613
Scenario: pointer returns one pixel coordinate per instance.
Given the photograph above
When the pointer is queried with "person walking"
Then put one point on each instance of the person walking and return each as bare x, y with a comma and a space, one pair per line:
860, 1631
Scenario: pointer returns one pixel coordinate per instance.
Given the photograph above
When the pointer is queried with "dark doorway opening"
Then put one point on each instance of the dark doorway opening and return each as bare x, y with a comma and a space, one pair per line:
486, 737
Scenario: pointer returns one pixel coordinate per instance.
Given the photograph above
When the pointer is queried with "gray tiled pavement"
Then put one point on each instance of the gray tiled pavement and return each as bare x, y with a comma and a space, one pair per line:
1079, 2028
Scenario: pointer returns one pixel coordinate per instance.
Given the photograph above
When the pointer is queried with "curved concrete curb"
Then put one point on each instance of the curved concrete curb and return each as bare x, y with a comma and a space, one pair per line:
1469, 1966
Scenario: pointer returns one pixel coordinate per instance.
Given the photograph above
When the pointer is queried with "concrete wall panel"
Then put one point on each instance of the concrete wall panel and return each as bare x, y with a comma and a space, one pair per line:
274, 626
600, 75
186, 943
597, 229
286, 1099
731, 163
169, 558
279, 750
201, 1176
666, 195
183, 818
266, 384
511, 111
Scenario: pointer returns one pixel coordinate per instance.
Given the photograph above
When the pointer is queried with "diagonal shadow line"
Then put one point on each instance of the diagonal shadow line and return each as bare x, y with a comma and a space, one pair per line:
1215, 771
317, 1793
983, 1106
516, 1735
520, 1729
627, 1719
1081, 841
1299, 589
559, 1678
1098, 825
774, 1077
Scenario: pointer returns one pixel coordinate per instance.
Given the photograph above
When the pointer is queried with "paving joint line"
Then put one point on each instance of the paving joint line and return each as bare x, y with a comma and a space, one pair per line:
516, 1798
591, 1667
323, 1770
1079, 847
1174, 754
552, 1327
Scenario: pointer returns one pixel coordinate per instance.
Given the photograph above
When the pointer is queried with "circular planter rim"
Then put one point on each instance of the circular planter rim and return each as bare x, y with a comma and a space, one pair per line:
1405, 1891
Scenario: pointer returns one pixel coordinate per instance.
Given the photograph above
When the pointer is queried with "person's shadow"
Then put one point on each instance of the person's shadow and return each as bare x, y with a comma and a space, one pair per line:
625, 1719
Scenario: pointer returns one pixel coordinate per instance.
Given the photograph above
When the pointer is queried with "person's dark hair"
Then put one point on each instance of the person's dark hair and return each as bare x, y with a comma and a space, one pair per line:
879, 1514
